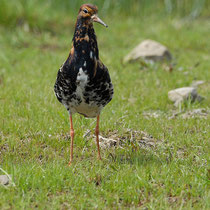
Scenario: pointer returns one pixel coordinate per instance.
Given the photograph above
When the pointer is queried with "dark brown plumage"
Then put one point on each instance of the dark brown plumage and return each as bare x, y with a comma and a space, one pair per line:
83, 83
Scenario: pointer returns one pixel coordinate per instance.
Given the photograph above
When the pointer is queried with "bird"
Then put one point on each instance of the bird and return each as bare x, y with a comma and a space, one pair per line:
83, 84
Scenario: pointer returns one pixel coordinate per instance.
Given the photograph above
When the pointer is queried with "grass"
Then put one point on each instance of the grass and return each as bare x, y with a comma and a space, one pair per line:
34, 127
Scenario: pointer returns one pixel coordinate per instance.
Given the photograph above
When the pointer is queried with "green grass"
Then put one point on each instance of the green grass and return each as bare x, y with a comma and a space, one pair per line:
50, 14
34, 127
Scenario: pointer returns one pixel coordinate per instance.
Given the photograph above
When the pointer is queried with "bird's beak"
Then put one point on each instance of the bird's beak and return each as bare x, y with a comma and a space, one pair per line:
95, 18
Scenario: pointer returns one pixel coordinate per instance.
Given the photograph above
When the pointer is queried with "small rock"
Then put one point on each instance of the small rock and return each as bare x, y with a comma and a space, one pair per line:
181, 94
4, 180
181, 68
149, 50
186, 73
197, 83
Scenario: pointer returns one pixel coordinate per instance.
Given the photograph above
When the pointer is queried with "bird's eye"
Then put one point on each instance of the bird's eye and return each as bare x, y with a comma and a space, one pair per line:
85, 11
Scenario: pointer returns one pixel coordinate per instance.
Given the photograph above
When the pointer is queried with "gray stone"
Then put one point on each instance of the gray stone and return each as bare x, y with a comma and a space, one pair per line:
149, 50
197, 83
185, 93
4, 180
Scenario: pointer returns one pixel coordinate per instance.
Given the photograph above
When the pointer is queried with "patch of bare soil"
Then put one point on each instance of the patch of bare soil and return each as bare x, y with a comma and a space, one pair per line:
135, 138
194, 113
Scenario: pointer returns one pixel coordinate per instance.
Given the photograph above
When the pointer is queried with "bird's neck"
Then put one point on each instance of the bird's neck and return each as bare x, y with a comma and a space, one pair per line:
84, 40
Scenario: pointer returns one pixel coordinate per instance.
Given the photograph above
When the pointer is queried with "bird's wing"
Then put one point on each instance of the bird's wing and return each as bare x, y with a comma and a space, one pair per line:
66, 78
101, 72
101, 81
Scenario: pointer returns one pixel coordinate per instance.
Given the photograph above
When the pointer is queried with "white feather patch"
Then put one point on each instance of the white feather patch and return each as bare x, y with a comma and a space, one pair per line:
91, 54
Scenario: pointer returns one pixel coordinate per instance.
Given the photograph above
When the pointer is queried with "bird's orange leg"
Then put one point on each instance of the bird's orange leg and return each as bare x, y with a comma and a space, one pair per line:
97, 137
72, 139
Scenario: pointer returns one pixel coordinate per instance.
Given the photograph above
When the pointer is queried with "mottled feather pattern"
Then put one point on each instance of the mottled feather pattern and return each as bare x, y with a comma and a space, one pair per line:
83, 83
98, 90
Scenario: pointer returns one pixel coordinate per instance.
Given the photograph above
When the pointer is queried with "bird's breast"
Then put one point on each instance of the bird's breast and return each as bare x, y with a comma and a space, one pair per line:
82, 78
85, 106
81, 83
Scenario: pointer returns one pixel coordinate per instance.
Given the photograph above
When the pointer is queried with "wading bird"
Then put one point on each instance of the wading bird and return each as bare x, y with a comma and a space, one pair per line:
83, 84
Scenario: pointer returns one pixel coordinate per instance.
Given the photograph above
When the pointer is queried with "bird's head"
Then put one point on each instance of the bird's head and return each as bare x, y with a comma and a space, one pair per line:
89, 12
